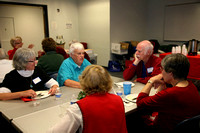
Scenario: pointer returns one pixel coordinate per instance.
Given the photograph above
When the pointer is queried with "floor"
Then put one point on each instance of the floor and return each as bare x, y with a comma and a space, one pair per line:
116, 74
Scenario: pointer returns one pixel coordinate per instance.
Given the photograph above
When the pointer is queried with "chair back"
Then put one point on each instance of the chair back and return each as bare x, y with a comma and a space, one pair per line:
191, 125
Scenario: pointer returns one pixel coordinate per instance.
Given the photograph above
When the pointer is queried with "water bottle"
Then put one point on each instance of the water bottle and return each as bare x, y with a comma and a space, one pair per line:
58, 94
119, 92
73, 99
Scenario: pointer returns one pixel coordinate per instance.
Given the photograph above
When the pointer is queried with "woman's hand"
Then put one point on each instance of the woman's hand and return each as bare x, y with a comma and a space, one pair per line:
158, 82
30, 46
161, 87
53, 89
28, 93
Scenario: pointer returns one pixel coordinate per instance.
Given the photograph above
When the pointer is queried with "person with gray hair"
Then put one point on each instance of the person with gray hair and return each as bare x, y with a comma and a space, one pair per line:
145, 64
26, 78
5, 64
86, 56
72, 67
174, 104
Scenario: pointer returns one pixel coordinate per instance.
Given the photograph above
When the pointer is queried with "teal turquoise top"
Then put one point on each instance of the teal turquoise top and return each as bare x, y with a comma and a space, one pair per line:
70, 70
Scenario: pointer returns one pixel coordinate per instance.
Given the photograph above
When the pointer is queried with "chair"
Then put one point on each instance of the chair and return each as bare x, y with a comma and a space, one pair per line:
53, 75
191, 125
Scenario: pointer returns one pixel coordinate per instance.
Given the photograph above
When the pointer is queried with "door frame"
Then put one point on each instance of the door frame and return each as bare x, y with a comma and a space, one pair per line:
45, 13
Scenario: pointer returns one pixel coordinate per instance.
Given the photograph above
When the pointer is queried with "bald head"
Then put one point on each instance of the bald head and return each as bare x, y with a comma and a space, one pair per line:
146, 46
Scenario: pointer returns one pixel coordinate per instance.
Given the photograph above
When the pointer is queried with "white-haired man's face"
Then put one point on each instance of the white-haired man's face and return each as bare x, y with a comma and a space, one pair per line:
141, 52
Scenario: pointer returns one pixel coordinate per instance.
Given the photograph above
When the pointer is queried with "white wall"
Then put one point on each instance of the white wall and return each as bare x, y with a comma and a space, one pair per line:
156, 12
29, 27
57, 20
128, 20
94, 27
101, 22
90, 21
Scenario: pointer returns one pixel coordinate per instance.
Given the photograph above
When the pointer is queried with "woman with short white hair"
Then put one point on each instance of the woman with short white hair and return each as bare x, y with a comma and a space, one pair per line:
73, 66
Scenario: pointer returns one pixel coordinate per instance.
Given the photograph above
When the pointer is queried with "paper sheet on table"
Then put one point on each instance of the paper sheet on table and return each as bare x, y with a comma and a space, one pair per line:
132, 97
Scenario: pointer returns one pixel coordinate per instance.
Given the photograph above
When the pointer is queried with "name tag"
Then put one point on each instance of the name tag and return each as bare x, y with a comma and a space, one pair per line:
150, 69
36, 80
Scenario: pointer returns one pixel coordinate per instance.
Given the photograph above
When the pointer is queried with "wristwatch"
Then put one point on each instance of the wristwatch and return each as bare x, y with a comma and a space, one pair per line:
149, 81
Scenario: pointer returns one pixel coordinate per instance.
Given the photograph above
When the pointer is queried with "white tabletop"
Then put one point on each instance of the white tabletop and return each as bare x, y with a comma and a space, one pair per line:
42, 120
16, 108
32, 119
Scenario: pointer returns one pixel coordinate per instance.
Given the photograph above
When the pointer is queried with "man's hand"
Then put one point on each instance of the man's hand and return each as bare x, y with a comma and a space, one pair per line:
137, 60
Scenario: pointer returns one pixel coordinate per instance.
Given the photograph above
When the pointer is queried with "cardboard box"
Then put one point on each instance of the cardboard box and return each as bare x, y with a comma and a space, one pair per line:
116, 48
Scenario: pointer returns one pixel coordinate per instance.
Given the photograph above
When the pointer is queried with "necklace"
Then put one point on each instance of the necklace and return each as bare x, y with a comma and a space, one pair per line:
30, 85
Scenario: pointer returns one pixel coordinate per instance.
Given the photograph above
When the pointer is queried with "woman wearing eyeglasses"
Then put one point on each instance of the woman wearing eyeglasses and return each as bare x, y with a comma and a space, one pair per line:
173, 104
26, 78
16, 43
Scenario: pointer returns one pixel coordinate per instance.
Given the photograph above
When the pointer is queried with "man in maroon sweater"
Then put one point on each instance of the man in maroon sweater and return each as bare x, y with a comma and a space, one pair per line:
145, 64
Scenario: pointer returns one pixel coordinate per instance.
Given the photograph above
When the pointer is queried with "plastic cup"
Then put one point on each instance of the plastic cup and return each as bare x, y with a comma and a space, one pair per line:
127, 87
58, 96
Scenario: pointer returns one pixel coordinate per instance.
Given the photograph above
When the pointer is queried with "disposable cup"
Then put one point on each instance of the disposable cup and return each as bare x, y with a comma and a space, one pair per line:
127, 87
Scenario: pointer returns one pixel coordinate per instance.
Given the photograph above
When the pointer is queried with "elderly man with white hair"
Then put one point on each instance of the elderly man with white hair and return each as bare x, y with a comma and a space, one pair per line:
145, 64
72, 67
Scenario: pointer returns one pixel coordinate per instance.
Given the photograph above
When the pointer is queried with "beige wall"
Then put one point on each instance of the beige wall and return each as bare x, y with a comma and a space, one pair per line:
28, 23
127, 20
156, 15
94, 27
101, 22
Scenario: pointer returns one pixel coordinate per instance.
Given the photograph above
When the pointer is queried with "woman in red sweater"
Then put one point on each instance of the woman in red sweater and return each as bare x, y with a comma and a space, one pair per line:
99, 111
173, 104
16, 43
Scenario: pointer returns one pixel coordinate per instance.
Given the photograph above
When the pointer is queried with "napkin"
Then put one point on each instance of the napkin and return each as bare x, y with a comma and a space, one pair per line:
26, 99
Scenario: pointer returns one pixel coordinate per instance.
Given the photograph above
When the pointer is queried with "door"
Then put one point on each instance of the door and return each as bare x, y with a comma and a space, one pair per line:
6, 32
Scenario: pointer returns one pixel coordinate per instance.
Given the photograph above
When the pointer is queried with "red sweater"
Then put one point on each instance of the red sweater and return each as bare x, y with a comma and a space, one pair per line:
103, 113
172, 104
11, 53
153, 62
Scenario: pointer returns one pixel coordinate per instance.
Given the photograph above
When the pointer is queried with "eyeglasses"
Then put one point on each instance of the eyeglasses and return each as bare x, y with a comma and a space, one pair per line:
18, 42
